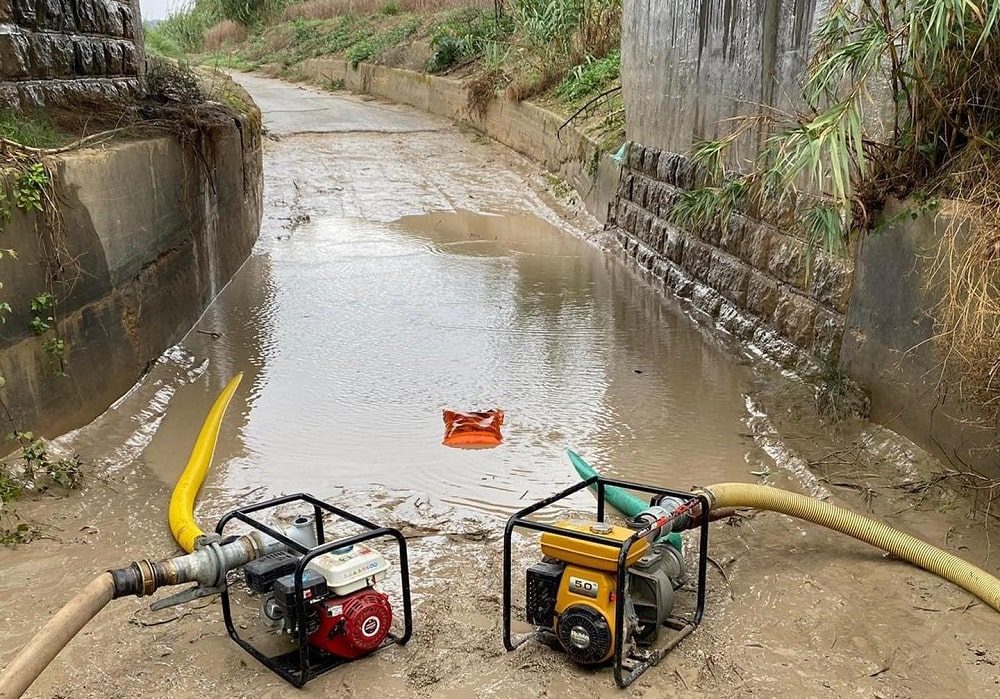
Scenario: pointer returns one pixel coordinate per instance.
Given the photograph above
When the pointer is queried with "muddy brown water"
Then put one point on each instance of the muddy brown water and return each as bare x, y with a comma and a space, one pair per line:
403, 268
355, 332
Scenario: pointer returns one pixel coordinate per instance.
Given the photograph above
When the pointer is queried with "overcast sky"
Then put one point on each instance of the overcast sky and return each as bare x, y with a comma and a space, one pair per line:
157, 9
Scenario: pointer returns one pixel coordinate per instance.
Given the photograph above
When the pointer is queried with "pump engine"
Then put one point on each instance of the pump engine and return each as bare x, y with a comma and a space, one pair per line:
310, 604
572, 592
605, 592
344, 615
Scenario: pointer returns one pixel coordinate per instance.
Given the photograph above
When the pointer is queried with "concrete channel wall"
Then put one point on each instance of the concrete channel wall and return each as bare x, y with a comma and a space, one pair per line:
64, 51
748, 276
688, 67
893, 347
145, 234
524, 127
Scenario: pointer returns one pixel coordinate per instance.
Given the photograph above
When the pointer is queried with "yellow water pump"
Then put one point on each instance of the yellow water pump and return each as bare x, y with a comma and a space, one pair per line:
604, 592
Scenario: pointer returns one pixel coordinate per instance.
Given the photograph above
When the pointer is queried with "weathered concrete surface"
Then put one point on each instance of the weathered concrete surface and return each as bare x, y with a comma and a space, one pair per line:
688, 68
62, 51
524, 127
890, 345
689, 64
150, 231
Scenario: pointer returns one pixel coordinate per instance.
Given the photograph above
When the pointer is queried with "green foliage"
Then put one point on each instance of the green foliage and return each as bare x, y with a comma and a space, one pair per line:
37, 472
40, 470
23, 533
159, 41
183, 32
590, 77
250, 12
378, 43
43, 321
361, 51
390, 8
42, 313
466, 35
829, 164
55, 347
29, 187
33, 129
10, 487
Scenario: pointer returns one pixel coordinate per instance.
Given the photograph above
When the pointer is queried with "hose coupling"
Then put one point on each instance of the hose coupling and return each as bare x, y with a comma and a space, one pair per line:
140, 579
708, 495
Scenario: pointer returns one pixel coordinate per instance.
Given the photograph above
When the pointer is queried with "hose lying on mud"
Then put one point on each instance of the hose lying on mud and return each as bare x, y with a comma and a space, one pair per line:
180, 514
206, 566
903, 546
59, 630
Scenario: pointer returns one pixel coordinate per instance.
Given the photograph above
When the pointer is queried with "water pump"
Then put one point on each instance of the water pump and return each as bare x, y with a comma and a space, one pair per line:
317, 602
604, 592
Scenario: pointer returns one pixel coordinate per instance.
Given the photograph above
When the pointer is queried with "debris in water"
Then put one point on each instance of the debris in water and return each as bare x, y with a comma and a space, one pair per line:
473, 430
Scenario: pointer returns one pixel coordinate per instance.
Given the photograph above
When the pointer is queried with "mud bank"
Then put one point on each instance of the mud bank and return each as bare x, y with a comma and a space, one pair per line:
524, 127
142, 237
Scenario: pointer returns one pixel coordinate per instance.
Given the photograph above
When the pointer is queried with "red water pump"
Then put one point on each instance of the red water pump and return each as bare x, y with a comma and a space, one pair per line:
321, 598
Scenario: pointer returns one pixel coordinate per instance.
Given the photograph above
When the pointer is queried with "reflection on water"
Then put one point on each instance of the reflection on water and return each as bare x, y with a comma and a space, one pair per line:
354, 336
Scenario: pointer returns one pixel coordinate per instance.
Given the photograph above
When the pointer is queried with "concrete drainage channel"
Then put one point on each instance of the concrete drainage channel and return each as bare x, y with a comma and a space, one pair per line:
526, 128
340, 180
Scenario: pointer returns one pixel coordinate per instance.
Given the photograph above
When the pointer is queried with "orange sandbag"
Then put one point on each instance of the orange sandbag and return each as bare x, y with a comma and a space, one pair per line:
472, 429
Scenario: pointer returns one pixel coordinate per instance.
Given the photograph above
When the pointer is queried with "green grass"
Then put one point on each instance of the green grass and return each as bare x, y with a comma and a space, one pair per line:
590, 77
159, 43
35, 130
230, 61
358, 39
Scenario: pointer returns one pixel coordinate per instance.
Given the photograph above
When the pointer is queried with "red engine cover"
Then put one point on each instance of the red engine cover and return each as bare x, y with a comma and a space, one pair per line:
353, 625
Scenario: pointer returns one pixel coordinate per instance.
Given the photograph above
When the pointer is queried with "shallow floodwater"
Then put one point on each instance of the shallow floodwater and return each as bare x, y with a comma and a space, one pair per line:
384, 290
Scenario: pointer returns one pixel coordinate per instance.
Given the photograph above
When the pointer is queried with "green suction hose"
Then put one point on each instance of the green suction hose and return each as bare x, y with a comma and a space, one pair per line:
622, 500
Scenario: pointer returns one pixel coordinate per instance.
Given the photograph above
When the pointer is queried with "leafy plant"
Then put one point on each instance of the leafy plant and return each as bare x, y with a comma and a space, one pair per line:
361, 51
40, 470
831, 164
29, 187
21, 533
42, 313
55, 347
10, 487
467, 35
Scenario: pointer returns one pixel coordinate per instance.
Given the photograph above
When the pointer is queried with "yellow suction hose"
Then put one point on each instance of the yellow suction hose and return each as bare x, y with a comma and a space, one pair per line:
903, 546
181, 511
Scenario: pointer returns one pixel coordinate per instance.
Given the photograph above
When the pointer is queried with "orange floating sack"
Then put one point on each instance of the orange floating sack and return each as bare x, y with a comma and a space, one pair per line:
471, 430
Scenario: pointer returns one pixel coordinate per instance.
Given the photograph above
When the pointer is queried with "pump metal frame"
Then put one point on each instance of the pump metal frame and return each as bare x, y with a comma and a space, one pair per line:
682, 625
305, 663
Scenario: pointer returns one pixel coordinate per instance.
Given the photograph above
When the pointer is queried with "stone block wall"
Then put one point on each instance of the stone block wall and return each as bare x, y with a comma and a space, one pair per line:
752, 279
61, 51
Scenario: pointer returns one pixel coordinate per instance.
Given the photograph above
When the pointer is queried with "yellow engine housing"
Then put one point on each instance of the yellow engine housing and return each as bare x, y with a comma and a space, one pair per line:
587, 554
590, 577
